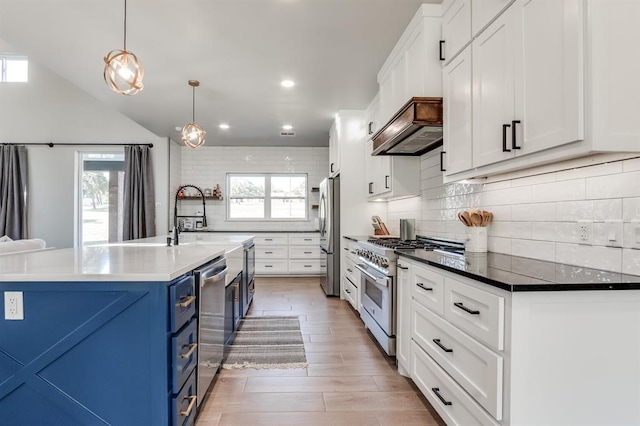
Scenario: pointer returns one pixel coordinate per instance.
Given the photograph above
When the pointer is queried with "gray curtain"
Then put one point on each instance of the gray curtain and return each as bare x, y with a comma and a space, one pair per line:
139, 204
13, 191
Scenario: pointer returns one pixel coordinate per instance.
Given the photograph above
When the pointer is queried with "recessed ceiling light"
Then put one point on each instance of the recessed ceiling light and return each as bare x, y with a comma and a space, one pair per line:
224, 126
178, 129
287, 83
287, 127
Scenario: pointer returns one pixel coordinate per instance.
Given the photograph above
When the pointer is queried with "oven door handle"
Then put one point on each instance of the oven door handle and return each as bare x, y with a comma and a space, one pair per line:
378, 280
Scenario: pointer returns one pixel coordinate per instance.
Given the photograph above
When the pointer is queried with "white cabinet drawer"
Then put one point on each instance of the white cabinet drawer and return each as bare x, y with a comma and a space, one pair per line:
275, 266
475, 367
351, 272
271, 239
311, 266
428, 288
350, 292
479, 313
450, 400
304, 239
304, 252
275, 252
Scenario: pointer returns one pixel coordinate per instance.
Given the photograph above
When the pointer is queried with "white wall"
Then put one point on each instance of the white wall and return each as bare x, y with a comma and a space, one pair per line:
207, 166
50, 109
535, 215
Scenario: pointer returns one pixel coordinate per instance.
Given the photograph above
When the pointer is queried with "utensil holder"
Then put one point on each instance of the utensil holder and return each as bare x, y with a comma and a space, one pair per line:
475, 239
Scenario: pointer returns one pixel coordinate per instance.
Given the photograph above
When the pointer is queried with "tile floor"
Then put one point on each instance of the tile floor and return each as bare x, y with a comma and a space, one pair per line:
349, 380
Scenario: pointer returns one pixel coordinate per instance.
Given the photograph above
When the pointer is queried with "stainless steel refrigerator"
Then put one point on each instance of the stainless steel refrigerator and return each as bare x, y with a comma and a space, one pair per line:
329, 222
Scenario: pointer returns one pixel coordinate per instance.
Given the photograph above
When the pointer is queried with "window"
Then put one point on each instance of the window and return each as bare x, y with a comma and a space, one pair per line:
267, 196
15, 69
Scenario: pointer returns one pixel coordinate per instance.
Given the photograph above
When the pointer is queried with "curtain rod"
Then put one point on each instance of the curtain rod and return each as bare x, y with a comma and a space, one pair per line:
52, 144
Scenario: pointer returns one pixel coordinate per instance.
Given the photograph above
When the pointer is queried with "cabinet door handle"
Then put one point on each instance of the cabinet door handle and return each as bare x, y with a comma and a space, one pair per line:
464, 308
504, 137
442, 50
444, 348
192, 347
401, 267
440, 397
370, 128
442, 168
192, 402
513, 134
236, 292
331, 168
421, 285
347, 290
349, 269
386, 181
370, 187
186, 301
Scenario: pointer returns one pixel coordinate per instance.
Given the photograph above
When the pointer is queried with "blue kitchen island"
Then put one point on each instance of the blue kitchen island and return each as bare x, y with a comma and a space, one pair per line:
108, 335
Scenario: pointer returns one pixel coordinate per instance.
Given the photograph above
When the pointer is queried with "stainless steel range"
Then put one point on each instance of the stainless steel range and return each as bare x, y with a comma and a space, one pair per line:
378, 271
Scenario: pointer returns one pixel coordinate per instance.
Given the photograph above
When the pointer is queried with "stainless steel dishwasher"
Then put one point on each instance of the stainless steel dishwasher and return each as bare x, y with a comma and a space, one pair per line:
210, 287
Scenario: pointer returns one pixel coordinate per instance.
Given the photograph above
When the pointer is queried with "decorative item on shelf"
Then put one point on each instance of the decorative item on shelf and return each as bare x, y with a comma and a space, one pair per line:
217, 192
208, 192
192, 134
123, 72
476, 222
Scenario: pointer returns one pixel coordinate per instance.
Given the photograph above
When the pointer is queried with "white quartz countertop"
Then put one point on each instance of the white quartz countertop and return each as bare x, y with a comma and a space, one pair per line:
147, 259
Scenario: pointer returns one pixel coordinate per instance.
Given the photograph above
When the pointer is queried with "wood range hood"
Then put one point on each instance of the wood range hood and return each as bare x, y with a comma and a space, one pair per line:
414, 130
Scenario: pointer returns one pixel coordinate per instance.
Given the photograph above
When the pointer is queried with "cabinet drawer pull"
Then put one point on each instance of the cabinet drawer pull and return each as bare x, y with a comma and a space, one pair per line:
345, 248
331, 168
349, 269
352, 252
442, 167
187, 412
308, 239
513, 134
370, 128
183, 303
370, 187
268, 252
444, 348
464, 308
308, 252
192, 347
421, 285
504, 137
401, 267
347, 290
308, 266
386, 181
268, 266
441, 50
236, 292
440, 397
268, 239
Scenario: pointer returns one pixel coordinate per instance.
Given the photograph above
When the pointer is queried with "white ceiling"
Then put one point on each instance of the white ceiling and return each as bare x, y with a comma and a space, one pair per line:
240, 50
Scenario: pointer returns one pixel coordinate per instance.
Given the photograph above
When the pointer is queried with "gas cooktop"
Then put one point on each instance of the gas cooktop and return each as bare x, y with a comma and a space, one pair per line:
423, 243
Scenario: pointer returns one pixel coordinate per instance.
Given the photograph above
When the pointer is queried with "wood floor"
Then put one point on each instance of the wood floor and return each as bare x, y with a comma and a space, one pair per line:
349, 381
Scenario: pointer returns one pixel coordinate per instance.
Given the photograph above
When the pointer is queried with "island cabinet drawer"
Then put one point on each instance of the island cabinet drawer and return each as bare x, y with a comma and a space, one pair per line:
304, 252
428, 288
184, 354
182, 302
478, 312
271, 240
304, 239
350, 292
276, 252
183, 405
475, 367
273, 266
310, 266
445, 395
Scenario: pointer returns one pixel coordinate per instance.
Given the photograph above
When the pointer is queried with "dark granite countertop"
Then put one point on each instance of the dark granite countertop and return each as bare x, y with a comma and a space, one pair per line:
252, 232
518, 274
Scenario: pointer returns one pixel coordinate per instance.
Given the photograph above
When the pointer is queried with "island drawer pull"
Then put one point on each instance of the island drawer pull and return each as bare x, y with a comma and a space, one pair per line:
268, 239
186, 301
443, 347
308, 239
401, 267
308, 252
192, 347
236, 292
268, 252
421, 285
464, 308
440, 397
187, 412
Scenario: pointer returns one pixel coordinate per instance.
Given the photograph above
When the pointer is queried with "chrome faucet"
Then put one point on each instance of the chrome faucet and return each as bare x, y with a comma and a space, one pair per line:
176, 230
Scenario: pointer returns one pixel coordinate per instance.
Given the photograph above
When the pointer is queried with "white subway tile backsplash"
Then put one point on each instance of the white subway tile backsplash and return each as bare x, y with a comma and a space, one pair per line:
499, 245
607, 258
631, 261
631, 165
591, 171
631, 209
543, 250
538, 212
506, 196
598, 210
544, 231
558, 191
614, 186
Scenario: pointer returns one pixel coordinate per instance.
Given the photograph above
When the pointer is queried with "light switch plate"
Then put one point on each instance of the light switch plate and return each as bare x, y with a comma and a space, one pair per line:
613, 232
635, 235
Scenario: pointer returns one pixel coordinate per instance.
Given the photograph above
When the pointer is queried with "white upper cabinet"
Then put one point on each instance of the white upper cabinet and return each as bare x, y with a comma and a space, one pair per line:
457, 113
413, 66
456, 27
484, 11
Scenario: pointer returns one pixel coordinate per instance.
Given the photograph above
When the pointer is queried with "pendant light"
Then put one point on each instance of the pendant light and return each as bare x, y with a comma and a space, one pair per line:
123, 71
192, 134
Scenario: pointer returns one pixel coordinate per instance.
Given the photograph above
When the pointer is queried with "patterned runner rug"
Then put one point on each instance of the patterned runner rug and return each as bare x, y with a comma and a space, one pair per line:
267, 343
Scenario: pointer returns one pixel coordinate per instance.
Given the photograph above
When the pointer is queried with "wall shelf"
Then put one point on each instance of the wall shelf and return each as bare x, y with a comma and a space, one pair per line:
208, 197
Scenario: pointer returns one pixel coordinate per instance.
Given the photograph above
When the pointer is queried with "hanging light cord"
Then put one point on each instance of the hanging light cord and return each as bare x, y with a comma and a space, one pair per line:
125, 25
193, 109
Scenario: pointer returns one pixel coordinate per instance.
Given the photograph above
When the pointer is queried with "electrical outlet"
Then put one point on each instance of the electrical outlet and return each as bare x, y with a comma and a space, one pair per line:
13, 305
585, 232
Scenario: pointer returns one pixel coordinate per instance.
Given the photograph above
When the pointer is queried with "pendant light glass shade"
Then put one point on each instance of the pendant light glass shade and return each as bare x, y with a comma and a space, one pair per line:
193, 134
123, 71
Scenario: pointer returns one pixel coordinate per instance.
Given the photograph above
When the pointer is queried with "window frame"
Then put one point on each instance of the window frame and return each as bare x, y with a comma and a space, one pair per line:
267, 198
4, 58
